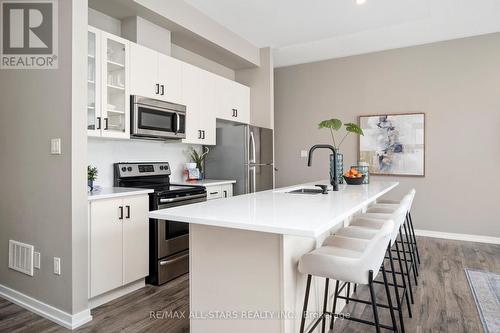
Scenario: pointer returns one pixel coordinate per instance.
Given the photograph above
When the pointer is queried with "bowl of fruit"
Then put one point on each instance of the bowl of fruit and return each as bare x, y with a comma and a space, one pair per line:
354, 177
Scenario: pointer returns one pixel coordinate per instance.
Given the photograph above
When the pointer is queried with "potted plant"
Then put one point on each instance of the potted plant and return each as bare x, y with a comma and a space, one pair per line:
91, 176
336, 125
199, 159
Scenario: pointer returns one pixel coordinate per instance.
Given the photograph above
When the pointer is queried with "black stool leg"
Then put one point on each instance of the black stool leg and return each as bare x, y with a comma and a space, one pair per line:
355, 287
334, 307
348, 292
406, 266
389, 299
412, 255
306, 299
325, 302
412, 242
396, 290
403, 279
374, 301
414, 236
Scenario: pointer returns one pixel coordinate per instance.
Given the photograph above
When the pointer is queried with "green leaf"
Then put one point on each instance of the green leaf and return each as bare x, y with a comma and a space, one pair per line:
353, 128
334, 124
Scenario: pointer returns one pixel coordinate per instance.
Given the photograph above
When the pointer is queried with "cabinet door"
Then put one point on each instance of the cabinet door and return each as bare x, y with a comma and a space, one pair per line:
143, 71
94, 119
115, 88
135, 238
208, 108
241, 102
105, 246
170, 78
227, 190
191, 91
223, 95
233, 101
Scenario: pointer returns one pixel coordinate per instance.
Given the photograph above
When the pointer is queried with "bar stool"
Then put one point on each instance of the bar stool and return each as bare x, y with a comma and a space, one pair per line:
364, 226
353, 261
391, 204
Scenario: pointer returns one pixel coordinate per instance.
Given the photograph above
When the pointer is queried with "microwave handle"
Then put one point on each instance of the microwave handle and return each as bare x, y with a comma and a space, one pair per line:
177, 123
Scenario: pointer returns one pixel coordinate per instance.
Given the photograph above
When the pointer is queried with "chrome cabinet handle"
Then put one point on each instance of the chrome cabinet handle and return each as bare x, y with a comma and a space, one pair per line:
105, 124
162, 90
120, 217
128, 212
157, 88
98, 123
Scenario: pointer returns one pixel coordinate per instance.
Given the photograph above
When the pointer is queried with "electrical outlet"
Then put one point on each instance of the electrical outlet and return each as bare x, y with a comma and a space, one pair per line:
303, 153
36, 260
57, 266
55, 146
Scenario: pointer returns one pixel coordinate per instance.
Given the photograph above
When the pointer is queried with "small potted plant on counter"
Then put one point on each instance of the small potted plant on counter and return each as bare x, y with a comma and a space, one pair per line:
336, 125
199, 159
91, 176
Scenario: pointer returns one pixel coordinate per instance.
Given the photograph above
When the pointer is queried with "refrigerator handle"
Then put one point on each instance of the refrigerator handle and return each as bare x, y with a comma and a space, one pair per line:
252, 148
254, 171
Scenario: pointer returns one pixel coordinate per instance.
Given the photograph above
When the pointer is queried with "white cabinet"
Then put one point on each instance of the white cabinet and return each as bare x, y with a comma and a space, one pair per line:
155, 75
219, 191
119, 242
170, 78
198, 87
108, 112
233, 101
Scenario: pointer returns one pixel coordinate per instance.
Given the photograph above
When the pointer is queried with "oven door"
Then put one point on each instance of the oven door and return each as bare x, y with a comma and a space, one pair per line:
156, 121
173, 237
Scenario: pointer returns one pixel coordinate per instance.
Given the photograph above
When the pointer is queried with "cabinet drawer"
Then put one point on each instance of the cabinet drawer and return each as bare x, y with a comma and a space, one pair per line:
214, 192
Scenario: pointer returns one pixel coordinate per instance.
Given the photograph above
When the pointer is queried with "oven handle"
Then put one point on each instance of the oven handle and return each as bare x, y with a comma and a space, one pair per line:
166, 262
183, 198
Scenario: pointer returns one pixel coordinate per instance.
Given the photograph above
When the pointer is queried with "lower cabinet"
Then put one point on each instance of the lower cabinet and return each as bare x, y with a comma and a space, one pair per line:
119, 241
219, 191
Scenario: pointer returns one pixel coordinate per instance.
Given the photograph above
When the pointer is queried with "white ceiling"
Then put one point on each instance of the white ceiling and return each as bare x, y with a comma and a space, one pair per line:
302, 31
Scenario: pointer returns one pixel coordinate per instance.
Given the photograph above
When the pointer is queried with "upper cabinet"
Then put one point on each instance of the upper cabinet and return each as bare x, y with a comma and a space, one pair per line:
198, 94
108, 113
118, 68
155, 75
233, 100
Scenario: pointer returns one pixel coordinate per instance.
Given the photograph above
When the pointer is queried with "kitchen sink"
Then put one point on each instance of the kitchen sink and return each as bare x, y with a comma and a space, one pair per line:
306, 191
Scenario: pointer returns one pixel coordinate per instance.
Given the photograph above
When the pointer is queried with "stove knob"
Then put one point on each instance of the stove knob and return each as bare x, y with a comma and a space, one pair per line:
166, 167
129, 169
124, 169
161, 167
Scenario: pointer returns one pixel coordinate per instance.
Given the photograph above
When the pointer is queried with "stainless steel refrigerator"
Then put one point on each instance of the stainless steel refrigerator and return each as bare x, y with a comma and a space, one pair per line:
243, 153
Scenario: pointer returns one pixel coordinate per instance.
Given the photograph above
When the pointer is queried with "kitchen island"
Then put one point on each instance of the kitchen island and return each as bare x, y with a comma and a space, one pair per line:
244, 252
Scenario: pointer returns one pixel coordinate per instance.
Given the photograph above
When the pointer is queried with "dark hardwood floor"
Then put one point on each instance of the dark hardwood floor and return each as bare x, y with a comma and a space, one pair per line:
443, 301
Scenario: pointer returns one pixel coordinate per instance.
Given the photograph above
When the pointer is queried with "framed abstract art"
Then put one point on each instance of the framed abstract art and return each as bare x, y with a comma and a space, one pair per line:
393, 144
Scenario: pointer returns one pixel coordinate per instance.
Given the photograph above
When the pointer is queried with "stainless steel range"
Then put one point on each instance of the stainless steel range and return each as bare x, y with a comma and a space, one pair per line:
168, 240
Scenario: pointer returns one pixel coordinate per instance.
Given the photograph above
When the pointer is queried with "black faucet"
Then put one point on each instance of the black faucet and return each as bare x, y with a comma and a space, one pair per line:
333, 168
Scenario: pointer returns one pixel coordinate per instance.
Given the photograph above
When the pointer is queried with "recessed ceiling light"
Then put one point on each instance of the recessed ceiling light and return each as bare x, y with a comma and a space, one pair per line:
360, 2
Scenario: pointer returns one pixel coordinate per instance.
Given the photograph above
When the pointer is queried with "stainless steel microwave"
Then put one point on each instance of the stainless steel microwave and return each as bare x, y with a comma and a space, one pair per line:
156, 119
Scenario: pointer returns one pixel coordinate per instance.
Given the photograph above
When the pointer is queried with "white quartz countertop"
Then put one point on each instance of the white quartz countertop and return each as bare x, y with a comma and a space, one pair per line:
114, 192
276, 211
206, 182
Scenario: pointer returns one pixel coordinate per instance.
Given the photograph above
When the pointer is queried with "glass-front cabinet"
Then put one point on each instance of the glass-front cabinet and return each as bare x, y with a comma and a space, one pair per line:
93, 86
108, 85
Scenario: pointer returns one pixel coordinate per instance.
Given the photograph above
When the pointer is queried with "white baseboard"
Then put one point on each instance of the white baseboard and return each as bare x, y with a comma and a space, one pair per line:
454, 236
47, 311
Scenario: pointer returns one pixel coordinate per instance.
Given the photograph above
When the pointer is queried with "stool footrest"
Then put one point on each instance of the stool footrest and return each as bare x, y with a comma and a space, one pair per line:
362, 321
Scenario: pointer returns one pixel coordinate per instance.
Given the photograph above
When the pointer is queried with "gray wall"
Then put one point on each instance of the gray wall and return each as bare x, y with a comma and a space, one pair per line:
456, 83
40, 192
